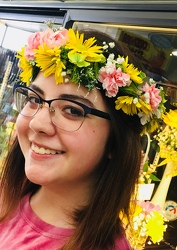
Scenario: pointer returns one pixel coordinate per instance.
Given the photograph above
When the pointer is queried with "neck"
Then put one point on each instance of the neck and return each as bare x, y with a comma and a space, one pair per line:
56, 207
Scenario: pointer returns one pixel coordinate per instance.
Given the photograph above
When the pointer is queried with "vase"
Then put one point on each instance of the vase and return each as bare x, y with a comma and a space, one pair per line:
160, 195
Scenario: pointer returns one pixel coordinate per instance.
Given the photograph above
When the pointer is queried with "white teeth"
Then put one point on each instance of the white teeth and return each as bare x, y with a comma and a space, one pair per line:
43, 151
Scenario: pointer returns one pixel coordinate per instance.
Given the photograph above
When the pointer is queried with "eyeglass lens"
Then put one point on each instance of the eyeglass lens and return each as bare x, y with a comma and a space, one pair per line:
65, 114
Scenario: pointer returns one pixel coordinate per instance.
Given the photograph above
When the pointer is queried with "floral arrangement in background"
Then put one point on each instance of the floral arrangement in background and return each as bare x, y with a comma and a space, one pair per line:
7, 133
146, 180
167, 140
147, 173
148, 225
67, 55
147, 170
147, 220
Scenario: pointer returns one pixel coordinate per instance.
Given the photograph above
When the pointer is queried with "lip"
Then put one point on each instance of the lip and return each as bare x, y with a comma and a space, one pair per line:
43, 157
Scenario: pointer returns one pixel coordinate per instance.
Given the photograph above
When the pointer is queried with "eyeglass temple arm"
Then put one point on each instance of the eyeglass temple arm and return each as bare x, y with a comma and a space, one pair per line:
100, 113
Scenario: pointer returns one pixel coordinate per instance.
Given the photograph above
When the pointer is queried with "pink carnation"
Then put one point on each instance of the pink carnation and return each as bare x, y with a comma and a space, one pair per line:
45, 36
57, 39
111, 87
112, 79
50, 38
121, 78
33, 43
154, 97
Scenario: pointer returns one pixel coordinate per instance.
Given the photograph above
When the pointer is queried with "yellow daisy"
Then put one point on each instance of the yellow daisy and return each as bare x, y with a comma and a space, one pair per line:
25, 66
89, 51
171, 118
144, 107
132, 71
50, 62
127, 104
27, 74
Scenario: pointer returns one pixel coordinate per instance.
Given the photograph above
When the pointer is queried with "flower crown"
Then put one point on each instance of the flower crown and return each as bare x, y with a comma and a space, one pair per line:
65, 53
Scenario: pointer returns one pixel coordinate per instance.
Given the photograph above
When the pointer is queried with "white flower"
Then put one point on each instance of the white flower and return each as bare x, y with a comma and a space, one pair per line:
110, 58
144, 118
147, 97
66, 80
135, 100
112, 45
63, 73
105, 47
151, 81
120, 60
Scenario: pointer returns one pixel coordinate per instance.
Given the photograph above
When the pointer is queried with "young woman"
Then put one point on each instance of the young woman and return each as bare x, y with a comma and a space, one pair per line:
71, 172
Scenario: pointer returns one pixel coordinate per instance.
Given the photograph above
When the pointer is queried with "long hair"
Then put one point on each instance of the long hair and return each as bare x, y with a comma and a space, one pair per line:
98, 224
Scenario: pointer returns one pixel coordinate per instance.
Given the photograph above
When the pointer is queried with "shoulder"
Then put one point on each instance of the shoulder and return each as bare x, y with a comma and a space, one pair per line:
122, 243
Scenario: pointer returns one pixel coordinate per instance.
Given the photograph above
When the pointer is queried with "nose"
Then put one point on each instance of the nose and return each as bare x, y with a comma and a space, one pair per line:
44, 104
52, 110
41, 122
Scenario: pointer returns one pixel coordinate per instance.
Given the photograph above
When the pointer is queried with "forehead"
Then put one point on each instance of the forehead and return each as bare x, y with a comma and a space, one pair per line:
49, 90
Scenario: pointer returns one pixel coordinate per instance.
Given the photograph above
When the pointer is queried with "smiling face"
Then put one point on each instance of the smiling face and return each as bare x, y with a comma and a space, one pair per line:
54, 156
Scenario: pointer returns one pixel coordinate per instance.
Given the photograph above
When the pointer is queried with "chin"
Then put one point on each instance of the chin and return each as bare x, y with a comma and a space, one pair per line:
36, 175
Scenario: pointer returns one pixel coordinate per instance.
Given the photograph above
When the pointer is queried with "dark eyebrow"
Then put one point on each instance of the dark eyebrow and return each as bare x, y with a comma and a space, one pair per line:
67, 96
36, 88
78, 98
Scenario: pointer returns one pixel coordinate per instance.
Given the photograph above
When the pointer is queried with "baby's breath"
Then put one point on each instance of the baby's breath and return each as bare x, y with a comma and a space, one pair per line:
167, 138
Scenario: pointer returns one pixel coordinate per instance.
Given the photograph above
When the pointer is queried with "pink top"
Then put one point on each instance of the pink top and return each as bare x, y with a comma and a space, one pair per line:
26, 231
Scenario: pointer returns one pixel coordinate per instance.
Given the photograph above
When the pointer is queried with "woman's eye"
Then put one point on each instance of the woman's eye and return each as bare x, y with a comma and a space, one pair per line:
33, 99
73, 111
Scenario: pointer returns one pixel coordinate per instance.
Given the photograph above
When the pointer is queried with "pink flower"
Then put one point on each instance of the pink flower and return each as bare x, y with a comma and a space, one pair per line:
112, 79
33, 43
121, 78
58, 39
148, 207
50, 38
45, 36
153, 95
111, 87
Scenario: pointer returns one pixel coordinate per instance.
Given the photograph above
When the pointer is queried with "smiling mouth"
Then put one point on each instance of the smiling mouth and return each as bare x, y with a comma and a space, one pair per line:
43, 151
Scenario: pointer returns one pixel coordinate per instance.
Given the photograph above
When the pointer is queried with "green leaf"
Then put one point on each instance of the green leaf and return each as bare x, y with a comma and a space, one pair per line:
145, 180
145, 167
155, 146
154, 178
78, 59
142, 75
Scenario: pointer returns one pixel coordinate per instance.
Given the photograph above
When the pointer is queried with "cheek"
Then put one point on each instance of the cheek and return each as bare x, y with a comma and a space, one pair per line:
22, 125
90, 147
98, 142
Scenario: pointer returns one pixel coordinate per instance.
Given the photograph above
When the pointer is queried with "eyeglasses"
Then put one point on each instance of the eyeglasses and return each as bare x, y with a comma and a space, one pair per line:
66, 114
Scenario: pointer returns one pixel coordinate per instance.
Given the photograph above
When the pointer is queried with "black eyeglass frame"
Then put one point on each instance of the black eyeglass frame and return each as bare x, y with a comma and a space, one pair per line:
87, 110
